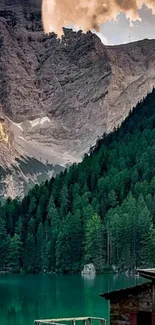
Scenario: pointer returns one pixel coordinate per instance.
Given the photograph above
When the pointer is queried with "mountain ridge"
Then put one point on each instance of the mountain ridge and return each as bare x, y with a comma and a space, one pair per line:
79, 87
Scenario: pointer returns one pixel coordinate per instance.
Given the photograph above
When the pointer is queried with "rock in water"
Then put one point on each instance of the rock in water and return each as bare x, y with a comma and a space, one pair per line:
89, 269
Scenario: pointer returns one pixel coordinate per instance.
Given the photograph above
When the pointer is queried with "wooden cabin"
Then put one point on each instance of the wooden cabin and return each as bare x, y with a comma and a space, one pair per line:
134, 305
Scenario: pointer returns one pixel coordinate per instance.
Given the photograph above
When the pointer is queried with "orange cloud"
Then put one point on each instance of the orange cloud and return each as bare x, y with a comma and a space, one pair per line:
88, 14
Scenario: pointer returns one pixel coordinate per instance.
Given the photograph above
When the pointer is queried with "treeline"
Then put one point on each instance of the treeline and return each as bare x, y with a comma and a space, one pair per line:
101, 210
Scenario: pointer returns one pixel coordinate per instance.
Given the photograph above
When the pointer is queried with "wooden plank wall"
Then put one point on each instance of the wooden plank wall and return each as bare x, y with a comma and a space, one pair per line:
121, 310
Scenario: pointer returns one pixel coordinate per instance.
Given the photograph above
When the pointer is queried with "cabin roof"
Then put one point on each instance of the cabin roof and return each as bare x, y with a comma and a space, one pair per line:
147, 273
125, 292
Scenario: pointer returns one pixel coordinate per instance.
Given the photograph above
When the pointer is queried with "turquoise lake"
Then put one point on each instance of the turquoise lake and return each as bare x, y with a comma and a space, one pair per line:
24, 298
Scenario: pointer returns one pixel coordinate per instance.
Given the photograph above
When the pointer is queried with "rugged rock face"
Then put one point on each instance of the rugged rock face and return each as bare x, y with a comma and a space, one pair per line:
59, 97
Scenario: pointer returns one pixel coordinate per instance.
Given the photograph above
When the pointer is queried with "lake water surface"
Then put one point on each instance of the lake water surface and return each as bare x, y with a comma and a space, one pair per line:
24, 298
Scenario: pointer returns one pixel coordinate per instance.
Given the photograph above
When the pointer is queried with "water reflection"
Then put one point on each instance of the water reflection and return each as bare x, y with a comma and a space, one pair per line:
89, 277
24, 298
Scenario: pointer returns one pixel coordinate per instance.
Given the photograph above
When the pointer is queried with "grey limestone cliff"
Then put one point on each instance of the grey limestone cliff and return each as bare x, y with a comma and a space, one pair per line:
60, 96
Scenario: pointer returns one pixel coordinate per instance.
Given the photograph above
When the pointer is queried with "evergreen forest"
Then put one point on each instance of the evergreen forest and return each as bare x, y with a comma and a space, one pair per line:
100, 211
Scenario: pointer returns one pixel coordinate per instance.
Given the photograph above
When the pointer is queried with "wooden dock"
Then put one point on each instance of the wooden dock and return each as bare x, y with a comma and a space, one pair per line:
63, 321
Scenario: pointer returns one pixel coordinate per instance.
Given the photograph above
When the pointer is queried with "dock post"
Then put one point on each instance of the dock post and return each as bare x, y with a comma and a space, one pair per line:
153, 296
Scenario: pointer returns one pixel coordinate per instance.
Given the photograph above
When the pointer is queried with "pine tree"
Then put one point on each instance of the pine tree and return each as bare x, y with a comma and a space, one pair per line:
39, 248
30, 249
93, 241
14, 253
3, 243
64, 201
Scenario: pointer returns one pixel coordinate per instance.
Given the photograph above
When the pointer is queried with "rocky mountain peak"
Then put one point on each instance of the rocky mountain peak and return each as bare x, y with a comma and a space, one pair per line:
60, 96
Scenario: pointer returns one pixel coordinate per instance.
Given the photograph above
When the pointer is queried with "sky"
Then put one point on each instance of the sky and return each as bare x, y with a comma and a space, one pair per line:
134, 20
121, 31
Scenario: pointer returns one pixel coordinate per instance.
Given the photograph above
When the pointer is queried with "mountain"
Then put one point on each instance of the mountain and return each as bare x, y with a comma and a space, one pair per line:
60, 96
99, 211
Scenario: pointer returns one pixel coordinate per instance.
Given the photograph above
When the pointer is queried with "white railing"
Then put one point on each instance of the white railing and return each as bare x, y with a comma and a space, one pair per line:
62, 321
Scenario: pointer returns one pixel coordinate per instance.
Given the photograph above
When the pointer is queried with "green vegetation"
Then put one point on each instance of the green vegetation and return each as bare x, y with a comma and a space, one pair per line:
100, 211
